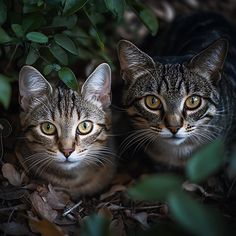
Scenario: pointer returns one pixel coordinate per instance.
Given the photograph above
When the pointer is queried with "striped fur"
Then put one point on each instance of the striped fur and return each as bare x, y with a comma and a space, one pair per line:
194, 63
91, 165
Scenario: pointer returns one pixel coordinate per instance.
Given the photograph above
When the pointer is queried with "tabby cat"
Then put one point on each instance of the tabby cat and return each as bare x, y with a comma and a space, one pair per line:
186, 97
65, 133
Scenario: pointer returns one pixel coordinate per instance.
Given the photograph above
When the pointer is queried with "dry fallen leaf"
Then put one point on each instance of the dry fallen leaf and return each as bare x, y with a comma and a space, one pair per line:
106, 213
42, 208
46, 228
141, 217
10, 173
117, 227
56, 200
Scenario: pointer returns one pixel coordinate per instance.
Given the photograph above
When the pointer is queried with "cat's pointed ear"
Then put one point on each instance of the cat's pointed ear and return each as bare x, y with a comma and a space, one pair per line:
97, 88
133, 61
32, 84
209, 63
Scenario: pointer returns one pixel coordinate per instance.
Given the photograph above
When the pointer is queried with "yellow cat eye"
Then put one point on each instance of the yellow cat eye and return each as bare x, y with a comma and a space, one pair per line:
48, 128
85, 127
193, 102
152, 102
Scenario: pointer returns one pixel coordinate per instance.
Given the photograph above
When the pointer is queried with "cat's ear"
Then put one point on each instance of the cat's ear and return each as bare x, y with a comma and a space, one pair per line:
32, 84
133, 61
97, 88
209, 63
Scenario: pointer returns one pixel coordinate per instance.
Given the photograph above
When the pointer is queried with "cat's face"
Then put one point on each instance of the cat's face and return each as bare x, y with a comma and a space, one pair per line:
64, 128
173, 103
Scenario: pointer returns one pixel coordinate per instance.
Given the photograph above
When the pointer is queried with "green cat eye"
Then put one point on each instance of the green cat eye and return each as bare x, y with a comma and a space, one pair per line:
152, 102
48, 128
193, 102
85, 127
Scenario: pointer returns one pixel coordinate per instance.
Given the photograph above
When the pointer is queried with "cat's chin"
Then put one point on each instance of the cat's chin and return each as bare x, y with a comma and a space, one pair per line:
66, 165
174, 140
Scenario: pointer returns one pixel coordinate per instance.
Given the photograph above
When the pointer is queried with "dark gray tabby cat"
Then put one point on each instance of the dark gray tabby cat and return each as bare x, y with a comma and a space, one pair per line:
186, 97
66, 133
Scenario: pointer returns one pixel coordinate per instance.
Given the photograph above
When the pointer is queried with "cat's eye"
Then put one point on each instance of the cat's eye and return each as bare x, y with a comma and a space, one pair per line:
152, 102
85, 127
48, 128
193, 102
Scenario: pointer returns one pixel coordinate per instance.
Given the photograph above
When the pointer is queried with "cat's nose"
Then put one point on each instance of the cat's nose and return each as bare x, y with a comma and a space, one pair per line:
174, 129
67, 152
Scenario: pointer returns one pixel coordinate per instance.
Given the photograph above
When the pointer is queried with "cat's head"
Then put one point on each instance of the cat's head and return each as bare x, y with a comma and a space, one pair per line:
176, 102
63, 128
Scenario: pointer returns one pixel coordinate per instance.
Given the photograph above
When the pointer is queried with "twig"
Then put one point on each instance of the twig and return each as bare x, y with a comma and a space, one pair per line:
72, 208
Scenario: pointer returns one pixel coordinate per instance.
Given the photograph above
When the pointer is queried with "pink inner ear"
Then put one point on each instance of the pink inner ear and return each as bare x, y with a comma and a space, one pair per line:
105, 94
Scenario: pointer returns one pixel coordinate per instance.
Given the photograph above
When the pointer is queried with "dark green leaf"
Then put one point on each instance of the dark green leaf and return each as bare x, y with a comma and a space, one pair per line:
17, 29
155, 187
95, 225
68, 77
32, 56
4, 37
37, 37
66, 43
49, 68
194, 216
65, 21
95, 32
33, 22
72, 6
116, 7
205, 162
59, 54
5, 91
146, 16
3, 12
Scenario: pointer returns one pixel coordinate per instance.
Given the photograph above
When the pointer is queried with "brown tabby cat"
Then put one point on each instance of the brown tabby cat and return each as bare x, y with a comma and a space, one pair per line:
185, 97
66, 133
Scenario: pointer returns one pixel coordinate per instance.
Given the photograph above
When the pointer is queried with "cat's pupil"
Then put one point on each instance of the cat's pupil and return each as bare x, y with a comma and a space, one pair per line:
85, 125
193, 100
48, 126
154, 100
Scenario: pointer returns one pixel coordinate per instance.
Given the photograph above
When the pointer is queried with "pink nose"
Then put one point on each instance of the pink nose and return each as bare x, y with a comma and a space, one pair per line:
67, 151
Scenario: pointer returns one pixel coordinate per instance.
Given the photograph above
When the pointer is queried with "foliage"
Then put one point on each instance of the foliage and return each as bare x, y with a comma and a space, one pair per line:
53, 35
191, 215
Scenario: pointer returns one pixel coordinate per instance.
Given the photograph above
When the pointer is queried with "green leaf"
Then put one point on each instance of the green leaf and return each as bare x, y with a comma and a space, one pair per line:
146, 16
17, 29
66, 43
33, 22
68, 77
4, 37
194, 216
65, 21
95, 225
32, 56
5, 91
37, 37
49, 68
95, 32
59, 54
72, 6
3, 12
156, 187
205, 162
116, 7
